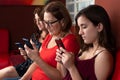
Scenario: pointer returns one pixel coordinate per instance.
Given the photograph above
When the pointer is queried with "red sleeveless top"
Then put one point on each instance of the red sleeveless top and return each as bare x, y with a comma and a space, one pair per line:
49, 54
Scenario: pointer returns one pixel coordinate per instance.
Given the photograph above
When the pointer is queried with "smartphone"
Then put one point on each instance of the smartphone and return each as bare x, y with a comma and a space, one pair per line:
35, 40
27, 42
59, 43
33, 37
20, 45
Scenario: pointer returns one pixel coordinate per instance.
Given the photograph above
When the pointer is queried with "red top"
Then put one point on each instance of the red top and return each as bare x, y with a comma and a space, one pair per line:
49, 54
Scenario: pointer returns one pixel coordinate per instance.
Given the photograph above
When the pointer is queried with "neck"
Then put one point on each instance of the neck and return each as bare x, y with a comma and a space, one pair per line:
61, 35
95, 48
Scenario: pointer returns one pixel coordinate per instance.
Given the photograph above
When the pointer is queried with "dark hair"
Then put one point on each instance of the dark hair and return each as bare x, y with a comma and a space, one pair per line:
38, 10
97, 14
59, 11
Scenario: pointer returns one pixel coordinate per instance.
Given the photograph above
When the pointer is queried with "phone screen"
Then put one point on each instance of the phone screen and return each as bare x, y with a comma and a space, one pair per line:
20, 45
59, 43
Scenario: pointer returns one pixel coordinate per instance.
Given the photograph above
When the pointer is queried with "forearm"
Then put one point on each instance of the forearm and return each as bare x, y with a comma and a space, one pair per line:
28, 74
62, 69
75, 75
50, 71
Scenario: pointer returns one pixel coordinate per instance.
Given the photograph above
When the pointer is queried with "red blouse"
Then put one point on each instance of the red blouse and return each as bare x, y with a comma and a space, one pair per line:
49, 54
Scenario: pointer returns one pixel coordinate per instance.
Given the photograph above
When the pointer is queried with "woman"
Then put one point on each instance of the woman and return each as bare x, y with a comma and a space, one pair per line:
20, 69
58, 23
95, 60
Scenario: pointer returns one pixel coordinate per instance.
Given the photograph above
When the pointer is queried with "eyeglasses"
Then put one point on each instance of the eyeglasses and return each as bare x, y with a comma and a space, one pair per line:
50, 23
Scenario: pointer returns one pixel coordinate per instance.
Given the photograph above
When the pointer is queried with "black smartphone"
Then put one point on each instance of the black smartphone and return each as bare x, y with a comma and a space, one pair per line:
33, 37
27, 42
35, 40
59, 43
20, 45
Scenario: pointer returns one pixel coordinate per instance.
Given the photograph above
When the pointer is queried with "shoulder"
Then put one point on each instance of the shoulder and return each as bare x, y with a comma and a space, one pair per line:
71, 43
103, 63
104, 59
104, 55
70, 38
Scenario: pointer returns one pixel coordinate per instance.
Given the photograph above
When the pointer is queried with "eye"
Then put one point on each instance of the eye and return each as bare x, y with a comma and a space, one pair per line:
84, 26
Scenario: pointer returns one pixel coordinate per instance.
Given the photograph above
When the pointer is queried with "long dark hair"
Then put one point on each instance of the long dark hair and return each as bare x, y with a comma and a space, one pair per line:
97, 14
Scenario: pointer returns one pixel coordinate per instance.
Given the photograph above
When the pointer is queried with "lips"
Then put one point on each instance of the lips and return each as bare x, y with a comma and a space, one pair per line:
83, 37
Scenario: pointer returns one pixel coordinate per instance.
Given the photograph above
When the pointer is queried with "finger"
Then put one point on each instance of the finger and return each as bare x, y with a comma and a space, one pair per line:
58, 50
62, 49
20, 48
58, 59
27, 49
33, 44
58, 54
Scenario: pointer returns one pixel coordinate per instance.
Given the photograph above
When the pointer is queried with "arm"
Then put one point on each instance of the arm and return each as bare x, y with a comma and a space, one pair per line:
28, 74
103, 65
60, 66
50, 71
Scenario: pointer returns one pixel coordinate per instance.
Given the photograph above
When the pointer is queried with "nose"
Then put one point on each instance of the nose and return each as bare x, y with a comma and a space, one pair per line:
37, 22
46, 25
80, 31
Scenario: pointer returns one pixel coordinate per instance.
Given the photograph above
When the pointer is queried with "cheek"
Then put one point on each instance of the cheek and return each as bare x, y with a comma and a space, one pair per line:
56, 29
91, 36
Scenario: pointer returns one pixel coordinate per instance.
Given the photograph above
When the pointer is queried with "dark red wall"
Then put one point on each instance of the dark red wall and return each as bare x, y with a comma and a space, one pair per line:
113, 9
18, 19
19, 22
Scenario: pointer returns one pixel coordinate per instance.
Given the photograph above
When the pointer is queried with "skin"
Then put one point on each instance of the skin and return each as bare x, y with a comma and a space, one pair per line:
38, 22
54, 29
103, 62
10, 70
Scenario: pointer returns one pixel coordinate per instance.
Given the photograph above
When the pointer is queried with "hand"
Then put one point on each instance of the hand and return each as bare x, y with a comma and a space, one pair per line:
33, 54
58, 55
22, 52
68, 59
65, 57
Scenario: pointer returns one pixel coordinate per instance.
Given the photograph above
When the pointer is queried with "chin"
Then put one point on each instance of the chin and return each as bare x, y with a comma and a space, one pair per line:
87, 42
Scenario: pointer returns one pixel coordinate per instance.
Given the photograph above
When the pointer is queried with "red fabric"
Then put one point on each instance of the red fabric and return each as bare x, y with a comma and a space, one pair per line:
4, 48
16, 58
116, 75
48, 55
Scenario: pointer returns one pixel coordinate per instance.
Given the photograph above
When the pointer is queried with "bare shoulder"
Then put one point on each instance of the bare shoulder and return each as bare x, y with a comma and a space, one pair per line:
105, 54
103, 62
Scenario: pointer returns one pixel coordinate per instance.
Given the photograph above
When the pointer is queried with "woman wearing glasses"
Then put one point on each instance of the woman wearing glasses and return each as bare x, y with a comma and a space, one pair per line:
20, 69
58, 23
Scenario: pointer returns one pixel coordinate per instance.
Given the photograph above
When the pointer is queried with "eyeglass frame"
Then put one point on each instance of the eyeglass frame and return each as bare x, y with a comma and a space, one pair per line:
50, 23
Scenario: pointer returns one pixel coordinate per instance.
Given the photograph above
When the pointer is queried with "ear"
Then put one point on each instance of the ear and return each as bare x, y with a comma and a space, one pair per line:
100, 27
62, 22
